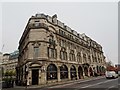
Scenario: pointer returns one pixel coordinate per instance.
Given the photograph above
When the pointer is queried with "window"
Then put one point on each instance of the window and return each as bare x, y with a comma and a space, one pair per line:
78, 57
89, 59
73, 72
51, 72
62, 43
36, 52
63, 54
61, 32
63, 72
52, 53
84, 57
71, 56
51, 41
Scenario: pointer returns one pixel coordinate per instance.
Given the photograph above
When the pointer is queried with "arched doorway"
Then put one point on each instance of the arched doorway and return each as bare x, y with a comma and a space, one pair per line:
91, 71
80, 72
51, 72
63, 72
73, 72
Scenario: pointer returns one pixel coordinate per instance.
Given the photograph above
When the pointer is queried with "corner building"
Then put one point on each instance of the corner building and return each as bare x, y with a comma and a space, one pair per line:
51, 52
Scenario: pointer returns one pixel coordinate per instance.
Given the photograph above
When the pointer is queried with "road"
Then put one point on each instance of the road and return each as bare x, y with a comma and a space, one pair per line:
99, 84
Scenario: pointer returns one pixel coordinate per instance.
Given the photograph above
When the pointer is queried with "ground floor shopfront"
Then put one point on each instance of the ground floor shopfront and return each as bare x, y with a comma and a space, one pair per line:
52, 72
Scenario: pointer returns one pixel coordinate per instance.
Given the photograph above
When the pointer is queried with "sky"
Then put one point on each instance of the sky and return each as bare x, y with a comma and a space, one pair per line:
98, 20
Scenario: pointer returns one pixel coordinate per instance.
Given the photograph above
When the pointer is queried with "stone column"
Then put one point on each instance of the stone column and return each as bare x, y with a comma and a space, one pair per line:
29, 79
39, 77
30, 51
87, 60
77, 73
58, 74
67, 50
69, 73
75, 52
82, 57
83, 73
88, 71
58, 53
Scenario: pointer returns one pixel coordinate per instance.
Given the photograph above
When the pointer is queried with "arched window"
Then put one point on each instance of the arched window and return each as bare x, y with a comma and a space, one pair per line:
51, 72
80, 72
73, 72
91, 71
72, 55
63, 72
84, 58
63, 54
86, 70
79, 57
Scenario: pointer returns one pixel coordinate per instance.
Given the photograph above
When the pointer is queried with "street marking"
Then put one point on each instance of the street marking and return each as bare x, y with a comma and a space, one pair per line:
98, 83
111, 87
75, 82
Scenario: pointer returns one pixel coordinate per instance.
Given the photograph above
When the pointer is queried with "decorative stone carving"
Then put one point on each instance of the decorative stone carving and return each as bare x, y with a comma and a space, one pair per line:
38, 25
60, 24
54, 19
40, 15
49, 19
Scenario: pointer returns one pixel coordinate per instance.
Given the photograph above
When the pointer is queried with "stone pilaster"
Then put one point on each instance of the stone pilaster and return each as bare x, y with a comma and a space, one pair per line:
58, 74
58, 53
82, 57
77, 72
69, 74
67, 50
29, 79
39, 77
30, 51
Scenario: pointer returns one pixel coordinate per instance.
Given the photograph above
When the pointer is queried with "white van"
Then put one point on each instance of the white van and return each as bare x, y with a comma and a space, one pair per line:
111, 74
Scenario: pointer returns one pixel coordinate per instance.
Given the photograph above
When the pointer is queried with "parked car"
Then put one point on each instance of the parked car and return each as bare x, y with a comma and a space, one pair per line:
118, 73
111, 74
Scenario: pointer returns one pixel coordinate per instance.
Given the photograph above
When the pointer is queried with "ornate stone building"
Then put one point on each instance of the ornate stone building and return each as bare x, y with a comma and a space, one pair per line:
51, 52
9, 61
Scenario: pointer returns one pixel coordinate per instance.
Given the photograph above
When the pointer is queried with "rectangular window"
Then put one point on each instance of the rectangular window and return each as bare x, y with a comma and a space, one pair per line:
36, 52
52, 53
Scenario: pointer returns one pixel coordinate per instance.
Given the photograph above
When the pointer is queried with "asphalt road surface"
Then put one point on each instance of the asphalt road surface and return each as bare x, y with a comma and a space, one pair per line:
99, 84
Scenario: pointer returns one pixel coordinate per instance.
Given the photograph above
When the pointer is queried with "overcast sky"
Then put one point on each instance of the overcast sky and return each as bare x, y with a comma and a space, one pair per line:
98, 20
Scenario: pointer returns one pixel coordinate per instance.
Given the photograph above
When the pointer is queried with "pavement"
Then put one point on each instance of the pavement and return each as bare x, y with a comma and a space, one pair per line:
60, 84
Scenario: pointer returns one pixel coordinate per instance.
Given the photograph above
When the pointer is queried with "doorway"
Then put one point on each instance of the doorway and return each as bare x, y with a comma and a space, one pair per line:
35, 76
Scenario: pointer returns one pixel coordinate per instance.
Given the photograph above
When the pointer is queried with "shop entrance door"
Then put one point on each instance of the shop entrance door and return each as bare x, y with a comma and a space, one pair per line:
35, 76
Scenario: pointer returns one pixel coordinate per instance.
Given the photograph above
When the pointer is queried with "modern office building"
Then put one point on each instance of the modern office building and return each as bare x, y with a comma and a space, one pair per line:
51, 52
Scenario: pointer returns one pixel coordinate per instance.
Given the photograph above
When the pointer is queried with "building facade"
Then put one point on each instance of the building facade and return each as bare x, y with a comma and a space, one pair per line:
9, 61
51, 52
